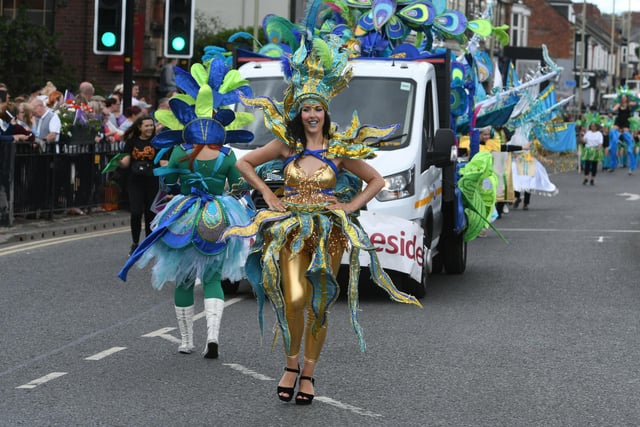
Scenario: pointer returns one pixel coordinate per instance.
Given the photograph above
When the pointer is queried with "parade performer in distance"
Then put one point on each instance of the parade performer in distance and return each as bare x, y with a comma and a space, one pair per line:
300, 238
529, 174
623, 109
185, 239
592, 153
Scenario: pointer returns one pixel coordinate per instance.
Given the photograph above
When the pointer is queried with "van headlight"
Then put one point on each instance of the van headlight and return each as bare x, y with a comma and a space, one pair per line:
398, 186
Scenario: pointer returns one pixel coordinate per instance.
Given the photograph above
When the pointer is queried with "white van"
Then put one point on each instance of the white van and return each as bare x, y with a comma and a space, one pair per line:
416, 221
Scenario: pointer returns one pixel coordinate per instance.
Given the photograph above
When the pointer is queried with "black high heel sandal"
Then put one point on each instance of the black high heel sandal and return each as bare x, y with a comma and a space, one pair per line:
305, 398
288, 390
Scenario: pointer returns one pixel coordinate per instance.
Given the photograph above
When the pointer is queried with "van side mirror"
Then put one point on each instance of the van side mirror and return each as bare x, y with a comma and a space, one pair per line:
444, 149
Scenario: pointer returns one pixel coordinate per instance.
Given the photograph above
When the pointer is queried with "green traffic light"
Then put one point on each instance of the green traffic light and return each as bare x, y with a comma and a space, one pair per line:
178, 43
108, 39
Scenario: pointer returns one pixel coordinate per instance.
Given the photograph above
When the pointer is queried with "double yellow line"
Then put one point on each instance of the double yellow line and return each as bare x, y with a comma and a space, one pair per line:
27, 246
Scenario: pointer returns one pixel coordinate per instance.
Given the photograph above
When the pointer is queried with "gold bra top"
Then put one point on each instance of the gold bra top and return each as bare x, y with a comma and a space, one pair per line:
301, 188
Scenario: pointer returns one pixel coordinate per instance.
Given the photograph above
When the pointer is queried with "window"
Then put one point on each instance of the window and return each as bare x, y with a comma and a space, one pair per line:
427, 126
39, 11
519, 28
392, 102
578, 54
527, 67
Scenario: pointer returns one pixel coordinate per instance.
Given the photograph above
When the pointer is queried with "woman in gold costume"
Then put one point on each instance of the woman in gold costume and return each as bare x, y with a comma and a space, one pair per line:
301, 237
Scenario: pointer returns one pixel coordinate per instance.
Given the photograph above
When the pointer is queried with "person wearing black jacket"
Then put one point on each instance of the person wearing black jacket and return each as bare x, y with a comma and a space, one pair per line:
142, 185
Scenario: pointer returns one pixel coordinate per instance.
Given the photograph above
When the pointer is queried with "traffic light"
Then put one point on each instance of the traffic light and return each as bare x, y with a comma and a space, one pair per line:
108, 27
178, 28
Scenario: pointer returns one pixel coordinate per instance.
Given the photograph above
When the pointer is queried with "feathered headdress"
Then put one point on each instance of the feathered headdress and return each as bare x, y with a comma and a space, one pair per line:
590, 118
316, 75
606, 121
624, 90
199, 115
317, 72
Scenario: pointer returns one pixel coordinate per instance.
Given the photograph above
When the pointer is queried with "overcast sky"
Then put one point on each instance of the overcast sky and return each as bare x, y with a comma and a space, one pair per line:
606, 6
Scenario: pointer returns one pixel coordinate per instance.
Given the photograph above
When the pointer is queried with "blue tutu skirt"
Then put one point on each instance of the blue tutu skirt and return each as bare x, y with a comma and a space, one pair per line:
185, 240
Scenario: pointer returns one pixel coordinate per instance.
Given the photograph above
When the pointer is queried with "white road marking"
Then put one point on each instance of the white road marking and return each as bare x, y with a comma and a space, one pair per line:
576, 230
138, 316
23, 247
246, 371
354, 409
162, 333
105, 353
629, 196
346, 406
226, 304
38, 381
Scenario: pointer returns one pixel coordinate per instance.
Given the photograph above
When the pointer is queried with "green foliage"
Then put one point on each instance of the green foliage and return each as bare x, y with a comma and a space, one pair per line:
29, 56
210, 32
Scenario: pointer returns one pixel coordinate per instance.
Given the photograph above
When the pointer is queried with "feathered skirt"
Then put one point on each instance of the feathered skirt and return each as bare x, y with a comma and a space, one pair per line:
185, 241
294, 229
594, 154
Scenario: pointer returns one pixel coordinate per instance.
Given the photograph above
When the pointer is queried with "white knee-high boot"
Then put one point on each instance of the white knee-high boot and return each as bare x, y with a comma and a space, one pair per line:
213, 308
185, 325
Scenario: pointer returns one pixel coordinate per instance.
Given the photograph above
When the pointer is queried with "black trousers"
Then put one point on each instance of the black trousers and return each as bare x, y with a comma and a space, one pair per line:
142, 190
590, 166
527, 196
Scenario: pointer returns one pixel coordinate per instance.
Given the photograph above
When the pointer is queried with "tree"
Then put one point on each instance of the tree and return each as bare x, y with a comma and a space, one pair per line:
210, 32
29, 56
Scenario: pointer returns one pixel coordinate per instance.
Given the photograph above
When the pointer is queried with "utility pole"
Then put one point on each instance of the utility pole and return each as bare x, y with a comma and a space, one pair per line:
582, 53
256, 22
613, 62
292, 10
127, 72
629, 72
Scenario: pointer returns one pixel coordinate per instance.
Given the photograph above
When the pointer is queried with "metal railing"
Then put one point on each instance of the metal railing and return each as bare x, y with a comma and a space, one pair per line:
40, 183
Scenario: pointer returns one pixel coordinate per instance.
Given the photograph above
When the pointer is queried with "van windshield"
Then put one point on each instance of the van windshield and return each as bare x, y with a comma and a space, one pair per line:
378, 101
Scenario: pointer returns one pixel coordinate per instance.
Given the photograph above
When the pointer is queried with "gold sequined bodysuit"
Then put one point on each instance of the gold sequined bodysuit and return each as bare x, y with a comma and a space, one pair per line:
296, 255
310, 193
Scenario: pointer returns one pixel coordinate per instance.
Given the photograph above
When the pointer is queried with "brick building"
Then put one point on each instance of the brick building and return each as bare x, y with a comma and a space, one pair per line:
72, 22
548, 26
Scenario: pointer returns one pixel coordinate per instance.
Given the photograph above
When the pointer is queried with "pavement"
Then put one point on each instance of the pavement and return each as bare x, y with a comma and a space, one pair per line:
64, 224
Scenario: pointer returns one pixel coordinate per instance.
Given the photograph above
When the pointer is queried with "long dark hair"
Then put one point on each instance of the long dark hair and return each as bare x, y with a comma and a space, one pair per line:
296, 128
134, 129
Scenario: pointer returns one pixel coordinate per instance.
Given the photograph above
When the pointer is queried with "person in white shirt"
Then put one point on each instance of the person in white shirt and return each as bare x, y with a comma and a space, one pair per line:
47, 127
592, 152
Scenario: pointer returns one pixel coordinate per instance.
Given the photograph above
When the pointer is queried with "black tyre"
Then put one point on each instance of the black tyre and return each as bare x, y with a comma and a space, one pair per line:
455, 254
230, 287
453, 248
407, 284
436, 264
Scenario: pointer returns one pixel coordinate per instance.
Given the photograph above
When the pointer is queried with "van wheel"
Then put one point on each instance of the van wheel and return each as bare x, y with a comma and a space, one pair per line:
455, 254
436, 264
229, 287
410, 286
